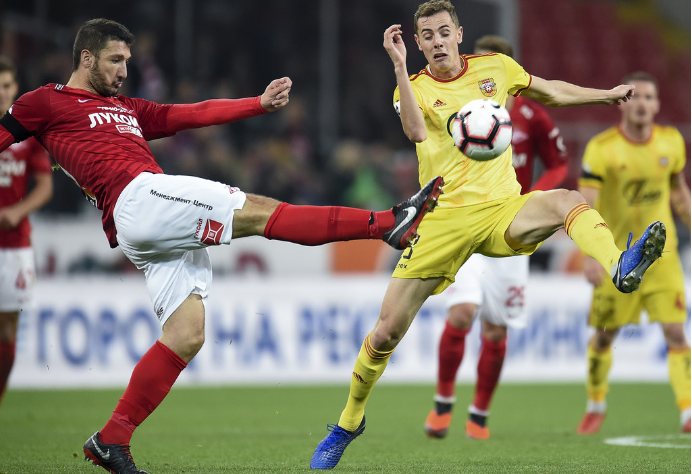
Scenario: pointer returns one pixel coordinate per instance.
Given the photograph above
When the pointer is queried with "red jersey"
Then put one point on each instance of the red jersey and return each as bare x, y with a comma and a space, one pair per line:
534, 133
17, 163
101, 142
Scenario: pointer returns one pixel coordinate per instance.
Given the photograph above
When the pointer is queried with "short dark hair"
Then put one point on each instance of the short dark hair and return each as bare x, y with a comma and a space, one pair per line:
94, 36
430, 8
640, 76
7, 66
494, 43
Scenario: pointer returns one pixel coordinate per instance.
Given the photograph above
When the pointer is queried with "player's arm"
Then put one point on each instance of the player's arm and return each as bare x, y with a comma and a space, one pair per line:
411, 116
166, 120
680, 198
593, 271
560, 94
11, 216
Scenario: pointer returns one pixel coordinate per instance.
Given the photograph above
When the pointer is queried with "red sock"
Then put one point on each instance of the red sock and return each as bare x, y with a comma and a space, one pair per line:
451, 353
151, 381
317, 225
7, 350
489, 368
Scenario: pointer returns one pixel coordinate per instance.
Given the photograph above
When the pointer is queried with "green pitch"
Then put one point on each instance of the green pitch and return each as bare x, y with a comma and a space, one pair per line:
274, 429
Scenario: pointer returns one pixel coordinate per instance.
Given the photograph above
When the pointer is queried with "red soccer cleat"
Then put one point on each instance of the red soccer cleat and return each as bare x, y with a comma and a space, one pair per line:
591, 423
436, 426
476, 431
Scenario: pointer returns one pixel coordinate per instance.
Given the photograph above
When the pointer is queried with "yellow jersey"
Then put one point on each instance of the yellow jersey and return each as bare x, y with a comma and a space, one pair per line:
467, 182
634, 180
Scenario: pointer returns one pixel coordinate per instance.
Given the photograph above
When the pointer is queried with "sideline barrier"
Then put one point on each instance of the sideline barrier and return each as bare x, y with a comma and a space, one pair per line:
90, 333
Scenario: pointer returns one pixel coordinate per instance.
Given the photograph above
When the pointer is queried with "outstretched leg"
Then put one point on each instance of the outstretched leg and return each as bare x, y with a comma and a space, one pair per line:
317, 225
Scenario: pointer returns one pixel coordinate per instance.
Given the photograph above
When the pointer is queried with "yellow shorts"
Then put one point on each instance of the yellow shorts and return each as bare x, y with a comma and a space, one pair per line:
449, 236
661, 294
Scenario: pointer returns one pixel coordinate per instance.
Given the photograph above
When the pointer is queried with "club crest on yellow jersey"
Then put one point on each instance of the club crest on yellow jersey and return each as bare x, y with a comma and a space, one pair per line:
488, 87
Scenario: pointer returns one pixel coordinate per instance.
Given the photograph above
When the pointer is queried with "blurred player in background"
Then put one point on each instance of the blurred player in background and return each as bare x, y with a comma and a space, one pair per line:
17, 271
633, 172
481, 210
493, 288
163, 223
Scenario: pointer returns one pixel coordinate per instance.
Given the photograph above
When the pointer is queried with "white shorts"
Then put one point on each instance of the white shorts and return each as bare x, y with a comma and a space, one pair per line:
164, 225
496, 285
17, 276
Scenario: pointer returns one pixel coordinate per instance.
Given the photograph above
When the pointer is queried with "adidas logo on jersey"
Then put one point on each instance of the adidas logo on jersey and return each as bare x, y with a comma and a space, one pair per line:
438, 103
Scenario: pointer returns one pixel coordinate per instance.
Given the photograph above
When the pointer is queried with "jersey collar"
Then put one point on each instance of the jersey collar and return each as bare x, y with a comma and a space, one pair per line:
464, 67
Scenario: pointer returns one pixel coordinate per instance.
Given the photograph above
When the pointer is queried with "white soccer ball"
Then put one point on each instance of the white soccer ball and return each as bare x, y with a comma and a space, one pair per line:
482, 130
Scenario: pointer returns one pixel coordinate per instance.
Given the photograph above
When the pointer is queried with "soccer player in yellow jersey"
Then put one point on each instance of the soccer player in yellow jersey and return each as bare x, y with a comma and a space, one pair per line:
631, 174
481, 210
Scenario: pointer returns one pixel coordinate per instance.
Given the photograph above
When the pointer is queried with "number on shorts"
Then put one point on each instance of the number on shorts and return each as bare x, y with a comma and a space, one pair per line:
516, 297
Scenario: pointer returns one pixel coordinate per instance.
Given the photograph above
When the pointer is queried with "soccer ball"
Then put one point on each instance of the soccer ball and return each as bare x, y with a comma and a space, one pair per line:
482, 130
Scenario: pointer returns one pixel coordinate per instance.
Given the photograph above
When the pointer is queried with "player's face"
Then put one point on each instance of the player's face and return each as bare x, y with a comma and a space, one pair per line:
643, 106
108, 72
8, 91
439, 40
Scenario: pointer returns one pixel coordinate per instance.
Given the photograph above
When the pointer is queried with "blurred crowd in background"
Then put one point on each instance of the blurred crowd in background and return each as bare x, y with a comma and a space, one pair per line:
188, 51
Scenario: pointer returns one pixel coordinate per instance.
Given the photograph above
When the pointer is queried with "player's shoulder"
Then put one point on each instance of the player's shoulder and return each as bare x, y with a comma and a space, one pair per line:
418, 77
668, 131
606, 136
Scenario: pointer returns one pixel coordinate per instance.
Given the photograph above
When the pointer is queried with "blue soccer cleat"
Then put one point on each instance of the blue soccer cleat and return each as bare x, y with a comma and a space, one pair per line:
331, 448
627, 273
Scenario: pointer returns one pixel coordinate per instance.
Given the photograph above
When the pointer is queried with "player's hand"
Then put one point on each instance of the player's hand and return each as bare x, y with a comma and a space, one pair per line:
10, 218
394, 44
593, 271
621, 94
276, 94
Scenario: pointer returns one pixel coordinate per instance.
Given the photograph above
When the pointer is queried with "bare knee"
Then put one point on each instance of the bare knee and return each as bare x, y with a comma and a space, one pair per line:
674, 335
252, 219
494, 332
461, 315
602, 340
183, 333
566, 200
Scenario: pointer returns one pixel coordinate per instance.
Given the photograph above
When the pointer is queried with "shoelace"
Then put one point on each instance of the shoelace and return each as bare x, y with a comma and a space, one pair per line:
629, 240
337, 430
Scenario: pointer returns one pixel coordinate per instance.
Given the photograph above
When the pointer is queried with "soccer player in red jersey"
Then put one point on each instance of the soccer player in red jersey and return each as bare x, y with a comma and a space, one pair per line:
164, 223
18, 163
493, 288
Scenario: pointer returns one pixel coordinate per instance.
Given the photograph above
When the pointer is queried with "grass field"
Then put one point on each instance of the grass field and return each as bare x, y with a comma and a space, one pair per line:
274, 429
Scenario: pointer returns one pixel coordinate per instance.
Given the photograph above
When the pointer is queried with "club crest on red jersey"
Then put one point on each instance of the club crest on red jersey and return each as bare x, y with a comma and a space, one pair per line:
212, 233
488, 87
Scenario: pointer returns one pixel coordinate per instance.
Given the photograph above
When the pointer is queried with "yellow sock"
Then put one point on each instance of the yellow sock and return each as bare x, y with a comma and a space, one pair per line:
679, 373
591, 234
597, 378
369, 366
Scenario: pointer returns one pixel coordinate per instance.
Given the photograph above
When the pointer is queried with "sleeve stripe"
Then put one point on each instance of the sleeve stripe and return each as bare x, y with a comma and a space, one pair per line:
587, 175
14, 127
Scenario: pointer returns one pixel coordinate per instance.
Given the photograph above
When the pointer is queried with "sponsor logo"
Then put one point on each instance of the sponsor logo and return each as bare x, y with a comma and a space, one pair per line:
359, 378
678, 302
159, 312
128, 129
212, 233
100, 118
637, 192
153, 192
438, 103
81, 101
601, 224
201, 204
117, 109
12, 168
488, 87
199, 228
232, 190
105, 456
410, 213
